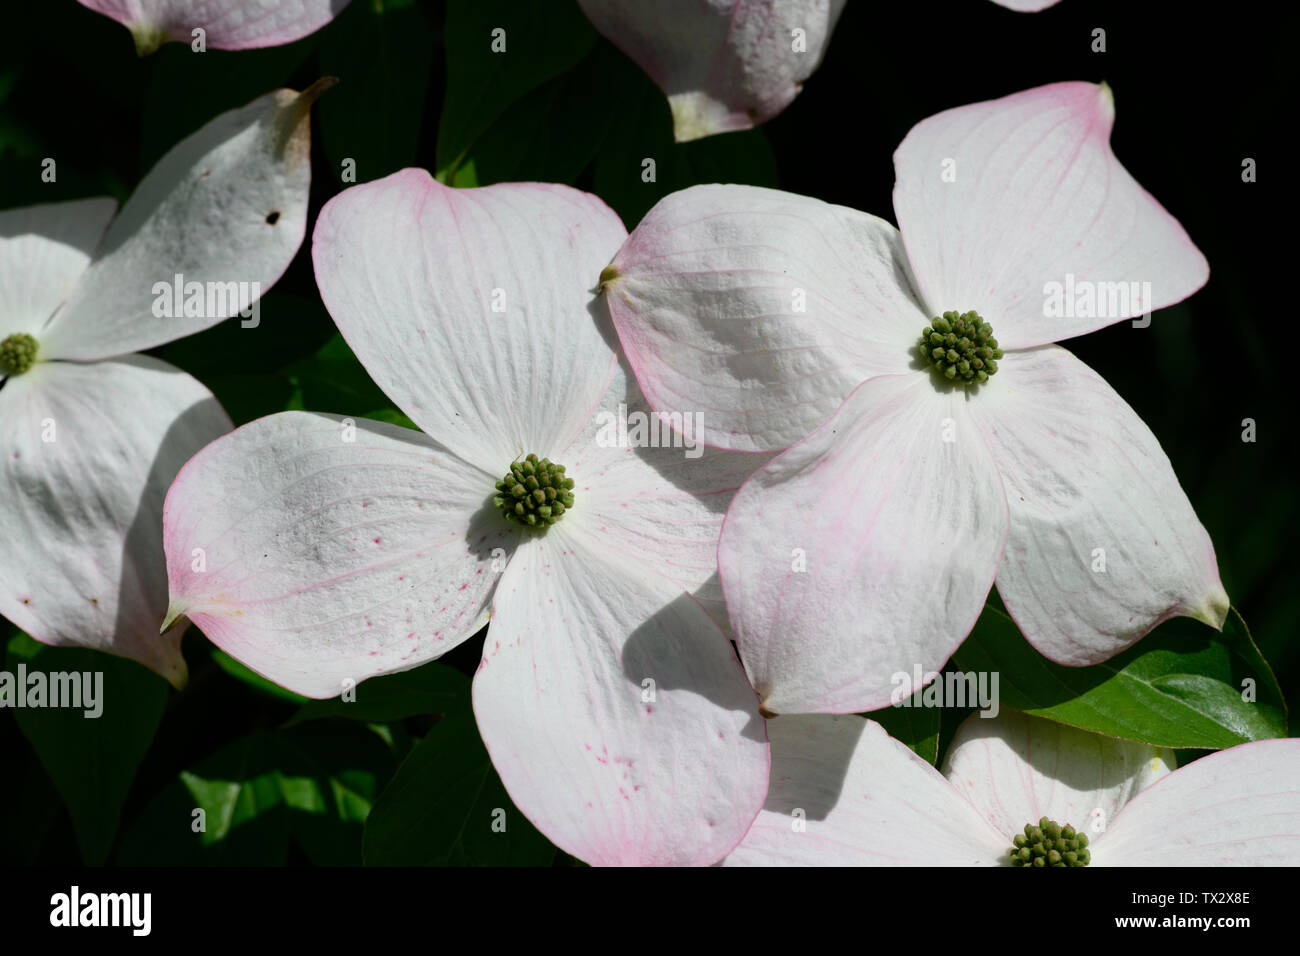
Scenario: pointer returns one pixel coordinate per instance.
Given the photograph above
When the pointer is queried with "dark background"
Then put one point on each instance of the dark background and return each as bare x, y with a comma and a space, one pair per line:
1198, 88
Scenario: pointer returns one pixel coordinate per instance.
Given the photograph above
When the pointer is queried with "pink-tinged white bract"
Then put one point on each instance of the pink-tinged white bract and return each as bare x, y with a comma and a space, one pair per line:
869, 546
91, 435
725, 65
226, 24
335, 549
1027, 6
864, 799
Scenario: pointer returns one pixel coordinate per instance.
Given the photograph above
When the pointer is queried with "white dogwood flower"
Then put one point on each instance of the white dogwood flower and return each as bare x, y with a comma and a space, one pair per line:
92, 435
938, 440
334, 550
1014, 790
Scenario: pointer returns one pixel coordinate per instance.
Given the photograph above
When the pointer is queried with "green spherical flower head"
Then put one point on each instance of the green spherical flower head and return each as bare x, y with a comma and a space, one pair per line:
960, 348
1047, 843
17, 354
534, 493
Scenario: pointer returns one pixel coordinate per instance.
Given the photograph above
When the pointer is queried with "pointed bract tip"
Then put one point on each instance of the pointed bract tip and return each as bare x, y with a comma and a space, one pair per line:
696, 116
147, 39
294, 106
1107, 97
608, 275
310, 95
174, 614
291, 120
1213, 609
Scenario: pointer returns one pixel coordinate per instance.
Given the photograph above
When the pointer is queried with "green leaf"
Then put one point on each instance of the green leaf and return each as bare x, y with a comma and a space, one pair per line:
563, 122
381, 51
446, 806
541, 40
1183, 685
92, 760
253, 679
333, 380
430, 689
642, 133
263, 795
187, 89
242, 365
915, 726
30, 808
287, 328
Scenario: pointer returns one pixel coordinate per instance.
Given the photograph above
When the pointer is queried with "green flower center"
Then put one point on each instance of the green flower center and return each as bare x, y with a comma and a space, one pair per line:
534, 493
1050, 844
18, 353
960, 348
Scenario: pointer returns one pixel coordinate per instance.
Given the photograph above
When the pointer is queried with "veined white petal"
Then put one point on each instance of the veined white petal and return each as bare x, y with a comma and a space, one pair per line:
470, 307
1238, 807
86, 455
649, 488
211, 228
1104, 544
723, 65
226, 24
844, 793
615, 710
760, 310
1002, 202
865, 551
320, 551
43, 251
1016, 769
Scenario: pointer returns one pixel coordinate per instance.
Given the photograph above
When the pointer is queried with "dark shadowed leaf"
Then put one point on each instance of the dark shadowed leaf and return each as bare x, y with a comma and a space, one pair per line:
263, 795
92, 760
430, 689
253, 679
640, 145
563, 123
446, 806
533, 43
381, 52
